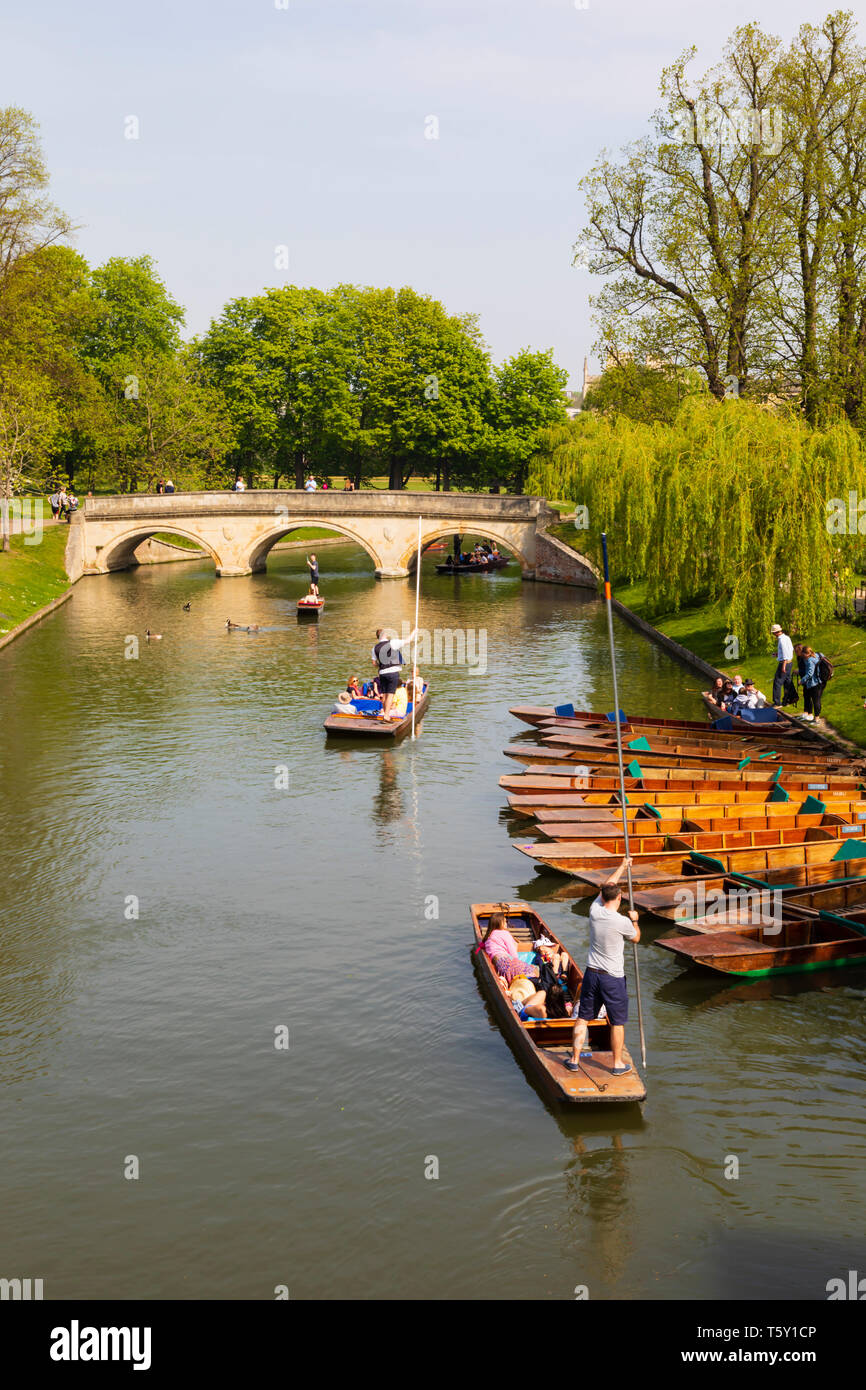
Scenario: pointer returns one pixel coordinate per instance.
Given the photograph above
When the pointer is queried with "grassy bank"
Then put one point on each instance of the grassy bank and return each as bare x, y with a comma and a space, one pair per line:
31, 576
703, 630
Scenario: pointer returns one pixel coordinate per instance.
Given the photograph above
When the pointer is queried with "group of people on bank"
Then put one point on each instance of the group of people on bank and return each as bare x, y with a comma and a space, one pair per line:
63, 504
813, 670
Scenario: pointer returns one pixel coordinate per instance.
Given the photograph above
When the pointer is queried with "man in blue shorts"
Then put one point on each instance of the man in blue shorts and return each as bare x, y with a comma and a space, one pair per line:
604, 977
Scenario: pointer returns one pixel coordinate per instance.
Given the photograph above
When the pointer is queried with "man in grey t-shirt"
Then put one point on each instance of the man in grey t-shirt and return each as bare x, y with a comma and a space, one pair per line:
604, 977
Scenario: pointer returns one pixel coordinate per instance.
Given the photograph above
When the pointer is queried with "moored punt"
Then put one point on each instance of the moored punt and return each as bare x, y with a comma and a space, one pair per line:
533, 753
647, 751
794, 944
641, 794
539, 714
670, 873
596, 776
662, 856
799, 734
545, 1046
695, 903
662, 818
371, 725
739, 901
684, 828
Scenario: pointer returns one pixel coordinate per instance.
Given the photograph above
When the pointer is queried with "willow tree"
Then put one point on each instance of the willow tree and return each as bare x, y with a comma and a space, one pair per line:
730, 503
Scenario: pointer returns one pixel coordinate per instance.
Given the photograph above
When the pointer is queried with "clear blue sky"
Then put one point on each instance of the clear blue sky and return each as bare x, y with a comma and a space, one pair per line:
305, 127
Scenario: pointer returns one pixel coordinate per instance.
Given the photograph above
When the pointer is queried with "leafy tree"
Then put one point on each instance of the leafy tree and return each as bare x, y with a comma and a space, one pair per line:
641, 392
28, 220
527, 398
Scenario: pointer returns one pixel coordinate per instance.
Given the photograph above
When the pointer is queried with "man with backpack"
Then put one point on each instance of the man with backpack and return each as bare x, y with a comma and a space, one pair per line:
815, 671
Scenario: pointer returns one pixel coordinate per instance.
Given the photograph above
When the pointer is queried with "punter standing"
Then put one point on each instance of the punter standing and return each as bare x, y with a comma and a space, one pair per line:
313, 567
387, 656
604, 977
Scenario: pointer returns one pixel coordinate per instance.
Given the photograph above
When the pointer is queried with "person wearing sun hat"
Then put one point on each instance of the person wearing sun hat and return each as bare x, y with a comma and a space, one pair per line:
782, 682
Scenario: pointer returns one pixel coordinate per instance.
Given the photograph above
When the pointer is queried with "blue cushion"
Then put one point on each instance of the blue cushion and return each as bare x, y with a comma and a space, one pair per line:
566, 711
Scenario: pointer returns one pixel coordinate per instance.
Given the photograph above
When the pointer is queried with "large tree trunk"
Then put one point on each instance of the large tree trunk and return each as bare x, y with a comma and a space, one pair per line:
395, 476
446, 475
299, 470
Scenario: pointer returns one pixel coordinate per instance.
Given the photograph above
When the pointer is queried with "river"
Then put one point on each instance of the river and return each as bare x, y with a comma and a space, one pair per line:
170, 908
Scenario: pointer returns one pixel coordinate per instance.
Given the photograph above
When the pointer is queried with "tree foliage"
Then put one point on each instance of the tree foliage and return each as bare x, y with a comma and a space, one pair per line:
731, 501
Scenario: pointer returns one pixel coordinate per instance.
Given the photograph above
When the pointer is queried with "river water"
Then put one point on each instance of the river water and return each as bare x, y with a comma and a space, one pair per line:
169, 906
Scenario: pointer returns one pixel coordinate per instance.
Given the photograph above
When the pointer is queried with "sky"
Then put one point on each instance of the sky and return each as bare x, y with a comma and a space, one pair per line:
431, 143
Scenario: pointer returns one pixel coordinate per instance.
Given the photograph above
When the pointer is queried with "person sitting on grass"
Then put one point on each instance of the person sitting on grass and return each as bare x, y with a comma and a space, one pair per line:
604, 977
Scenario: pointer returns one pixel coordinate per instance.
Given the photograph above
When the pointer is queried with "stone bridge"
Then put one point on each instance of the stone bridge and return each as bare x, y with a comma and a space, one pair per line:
238, 529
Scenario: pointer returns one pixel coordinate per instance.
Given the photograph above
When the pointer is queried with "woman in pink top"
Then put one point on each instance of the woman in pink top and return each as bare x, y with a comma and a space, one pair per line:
497, 940
500, 946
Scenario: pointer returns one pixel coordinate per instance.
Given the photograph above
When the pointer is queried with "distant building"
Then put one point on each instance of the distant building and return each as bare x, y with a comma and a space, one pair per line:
588, 381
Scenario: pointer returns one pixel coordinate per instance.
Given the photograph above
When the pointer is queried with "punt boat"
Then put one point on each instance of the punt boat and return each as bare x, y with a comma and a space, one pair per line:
741, 896
671, 871
772, 826
309, 606
792, 945
544, 1047
369, 725
663, 854
540, 714
703, 753
550, 809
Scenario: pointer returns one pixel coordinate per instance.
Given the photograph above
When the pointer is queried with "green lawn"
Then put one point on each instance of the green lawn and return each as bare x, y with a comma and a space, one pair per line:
31, 576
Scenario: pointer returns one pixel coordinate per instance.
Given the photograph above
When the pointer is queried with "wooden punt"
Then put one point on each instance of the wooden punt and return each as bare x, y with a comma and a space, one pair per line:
538, 714
792, 945
493, 562
674, 869
721, 825
544, 1047
740, 902
702, 752
309, 607
537, 754
675, 789
663, 855
551, 810
369, 726
719, 745
684, 900
659, 770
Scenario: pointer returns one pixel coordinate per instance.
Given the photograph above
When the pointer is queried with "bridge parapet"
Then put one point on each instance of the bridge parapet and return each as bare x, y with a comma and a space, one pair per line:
238, 529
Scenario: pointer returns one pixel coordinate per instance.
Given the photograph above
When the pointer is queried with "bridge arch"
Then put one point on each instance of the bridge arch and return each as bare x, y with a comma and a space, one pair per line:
119, 552
490, 533
263, 545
